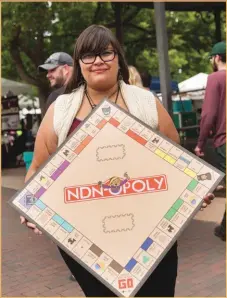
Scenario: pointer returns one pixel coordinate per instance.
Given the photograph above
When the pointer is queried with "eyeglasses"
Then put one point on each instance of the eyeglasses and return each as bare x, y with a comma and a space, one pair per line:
105, 56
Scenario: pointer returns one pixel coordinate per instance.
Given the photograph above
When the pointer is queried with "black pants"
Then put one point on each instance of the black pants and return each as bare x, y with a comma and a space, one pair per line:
161, 282
221, 161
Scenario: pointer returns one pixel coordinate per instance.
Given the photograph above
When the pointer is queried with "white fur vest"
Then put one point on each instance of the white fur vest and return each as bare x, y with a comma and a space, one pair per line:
141, 103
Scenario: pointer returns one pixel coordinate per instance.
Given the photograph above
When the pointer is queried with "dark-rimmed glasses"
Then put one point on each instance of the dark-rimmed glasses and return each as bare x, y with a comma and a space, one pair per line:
105, 56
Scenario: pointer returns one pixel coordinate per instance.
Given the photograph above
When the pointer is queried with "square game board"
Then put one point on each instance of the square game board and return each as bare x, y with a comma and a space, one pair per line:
116, 195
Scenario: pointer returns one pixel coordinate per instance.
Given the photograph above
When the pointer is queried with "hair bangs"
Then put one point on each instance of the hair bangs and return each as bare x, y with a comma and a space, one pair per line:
95, 40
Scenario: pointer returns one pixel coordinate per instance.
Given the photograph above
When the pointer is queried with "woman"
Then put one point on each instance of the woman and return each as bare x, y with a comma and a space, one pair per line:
134, 77
99, 71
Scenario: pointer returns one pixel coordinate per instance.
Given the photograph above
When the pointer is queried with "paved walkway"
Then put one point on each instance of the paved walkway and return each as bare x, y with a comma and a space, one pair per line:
32, 266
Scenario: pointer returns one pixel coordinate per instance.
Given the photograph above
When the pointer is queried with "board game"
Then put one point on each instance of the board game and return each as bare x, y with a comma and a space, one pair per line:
116, 195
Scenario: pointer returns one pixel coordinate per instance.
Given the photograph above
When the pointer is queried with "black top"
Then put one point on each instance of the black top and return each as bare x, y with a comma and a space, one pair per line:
53, 95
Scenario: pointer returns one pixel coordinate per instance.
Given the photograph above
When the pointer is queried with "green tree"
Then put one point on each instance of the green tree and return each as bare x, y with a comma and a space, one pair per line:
190, 38
31, 31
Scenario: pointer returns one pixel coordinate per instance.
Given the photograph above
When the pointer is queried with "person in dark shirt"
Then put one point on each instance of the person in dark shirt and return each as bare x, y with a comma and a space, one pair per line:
59, 69
214, 116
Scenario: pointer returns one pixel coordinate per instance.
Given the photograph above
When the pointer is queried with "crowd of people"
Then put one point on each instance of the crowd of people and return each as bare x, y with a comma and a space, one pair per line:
99, 69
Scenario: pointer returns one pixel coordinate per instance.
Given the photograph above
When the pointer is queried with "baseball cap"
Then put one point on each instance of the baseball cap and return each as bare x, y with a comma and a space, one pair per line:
55, 60
218, 49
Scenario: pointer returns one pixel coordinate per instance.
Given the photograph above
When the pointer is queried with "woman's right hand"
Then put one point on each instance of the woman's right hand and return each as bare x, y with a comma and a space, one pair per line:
30, 225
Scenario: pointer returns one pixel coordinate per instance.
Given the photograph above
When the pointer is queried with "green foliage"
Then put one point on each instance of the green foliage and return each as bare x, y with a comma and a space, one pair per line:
190, 38
31, 31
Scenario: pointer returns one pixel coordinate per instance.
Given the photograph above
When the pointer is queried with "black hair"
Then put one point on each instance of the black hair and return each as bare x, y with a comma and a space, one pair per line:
146, 79
95, 39
223, 57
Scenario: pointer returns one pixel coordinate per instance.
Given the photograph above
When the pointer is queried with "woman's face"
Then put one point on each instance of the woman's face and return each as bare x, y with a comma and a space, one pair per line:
100, 74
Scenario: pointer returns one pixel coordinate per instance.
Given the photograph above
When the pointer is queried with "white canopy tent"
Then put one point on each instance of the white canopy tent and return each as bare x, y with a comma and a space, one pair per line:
15, 87
195, 83
25, 96
194, 87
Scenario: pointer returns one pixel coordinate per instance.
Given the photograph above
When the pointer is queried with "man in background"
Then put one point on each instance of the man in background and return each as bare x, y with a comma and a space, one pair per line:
59, 70
214, 116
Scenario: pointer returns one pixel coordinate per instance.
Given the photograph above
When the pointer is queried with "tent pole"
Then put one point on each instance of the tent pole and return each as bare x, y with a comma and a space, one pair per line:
162, 46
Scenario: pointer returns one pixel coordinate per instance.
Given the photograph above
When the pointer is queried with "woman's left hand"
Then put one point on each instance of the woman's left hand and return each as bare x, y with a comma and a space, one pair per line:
207, 200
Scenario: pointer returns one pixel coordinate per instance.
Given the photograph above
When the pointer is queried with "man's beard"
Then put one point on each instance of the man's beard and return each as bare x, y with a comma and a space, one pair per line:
214, 66
59, 82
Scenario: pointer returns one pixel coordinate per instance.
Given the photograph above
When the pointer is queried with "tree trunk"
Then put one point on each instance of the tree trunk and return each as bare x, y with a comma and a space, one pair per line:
118, 22
217, 17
